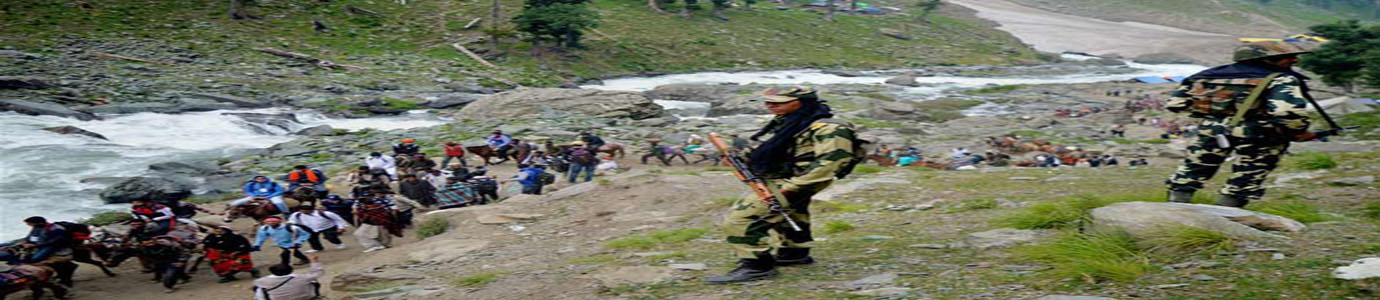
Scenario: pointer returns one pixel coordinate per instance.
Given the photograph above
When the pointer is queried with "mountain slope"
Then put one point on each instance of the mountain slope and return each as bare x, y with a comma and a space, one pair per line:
1237, 17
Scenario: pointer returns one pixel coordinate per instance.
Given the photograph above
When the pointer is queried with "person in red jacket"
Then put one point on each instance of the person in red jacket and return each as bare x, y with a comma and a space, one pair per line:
456, 151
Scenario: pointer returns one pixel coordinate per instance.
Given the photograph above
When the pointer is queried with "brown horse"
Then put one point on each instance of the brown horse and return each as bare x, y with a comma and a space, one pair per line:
257, 209
37, 278
611, 149
485, 152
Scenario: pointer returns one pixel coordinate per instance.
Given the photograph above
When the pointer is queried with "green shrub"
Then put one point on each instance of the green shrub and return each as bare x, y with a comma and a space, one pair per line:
837, 226
653, 239
1090, 257
1298, 210
1063, 213
1188, 239
106, 218
399, 104
432, 227
1312, 161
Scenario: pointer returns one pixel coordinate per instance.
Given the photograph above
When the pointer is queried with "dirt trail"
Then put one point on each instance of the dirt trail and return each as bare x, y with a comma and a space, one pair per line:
131, 284
1055, 32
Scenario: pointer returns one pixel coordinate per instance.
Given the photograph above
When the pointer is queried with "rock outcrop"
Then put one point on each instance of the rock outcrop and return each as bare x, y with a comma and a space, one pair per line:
1147, 219
44, 109
146, 188
75, 130
548, 102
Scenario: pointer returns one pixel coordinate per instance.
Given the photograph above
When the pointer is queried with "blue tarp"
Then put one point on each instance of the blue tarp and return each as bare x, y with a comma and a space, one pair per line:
1151, 79
1176, 79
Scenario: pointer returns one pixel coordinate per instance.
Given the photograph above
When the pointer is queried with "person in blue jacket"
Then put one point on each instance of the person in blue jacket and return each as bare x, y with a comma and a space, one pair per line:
263, 187
530, 178
285, 236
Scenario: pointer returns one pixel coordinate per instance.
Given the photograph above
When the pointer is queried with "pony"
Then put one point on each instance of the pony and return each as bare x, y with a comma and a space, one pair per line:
257, 209
485, 152
34, 278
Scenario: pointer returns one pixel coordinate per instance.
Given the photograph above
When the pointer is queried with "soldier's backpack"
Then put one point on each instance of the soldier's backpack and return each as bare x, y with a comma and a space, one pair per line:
583, 156
1222, 98
859, 148
546, 178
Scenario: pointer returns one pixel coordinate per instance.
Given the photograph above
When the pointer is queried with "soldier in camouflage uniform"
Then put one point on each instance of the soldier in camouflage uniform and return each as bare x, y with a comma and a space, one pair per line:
807, 151
1258, 134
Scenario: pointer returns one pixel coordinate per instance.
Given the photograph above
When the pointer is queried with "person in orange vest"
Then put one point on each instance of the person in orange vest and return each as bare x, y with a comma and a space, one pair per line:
159, 216
304, 177
454, 151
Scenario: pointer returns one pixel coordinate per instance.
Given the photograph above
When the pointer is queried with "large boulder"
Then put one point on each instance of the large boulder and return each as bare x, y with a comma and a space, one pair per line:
452, 100
897, 111
236, 100
903, 80
146, 188
185, 167
549, 102
75, 130
44, 109
318, 130
133, 108
270, 123
713, 93
1148, 219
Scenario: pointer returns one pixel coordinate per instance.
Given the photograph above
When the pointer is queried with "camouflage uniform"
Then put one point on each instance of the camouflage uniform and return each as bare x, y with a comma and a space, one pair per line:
1262, 135
819, 152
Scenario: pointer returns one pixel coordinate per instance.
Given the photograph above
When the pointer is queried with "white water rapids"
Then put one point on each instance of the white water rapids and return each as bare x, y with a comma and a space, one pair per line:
40, 171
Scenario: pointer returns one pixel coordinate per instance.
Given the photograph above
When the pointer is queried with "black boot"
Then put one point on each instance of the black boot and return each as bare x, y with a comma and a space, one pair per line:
1232, 201
748, 270
1180, 196
793, 256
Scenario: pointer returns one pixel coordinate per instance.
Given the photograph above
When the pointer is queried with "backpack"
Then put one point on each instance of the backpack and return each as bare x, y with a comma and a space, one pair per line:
546, 178
859, 147
582, 156
76, 231
1222, 98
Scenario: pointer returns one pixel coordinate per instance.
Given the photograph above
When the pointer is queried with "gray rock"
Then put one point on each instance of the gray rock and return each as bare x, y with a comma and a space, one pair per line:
1147, 219
1067, 297
887, 292
893, 33
44, 109
346, 281
293, 148
26, 82
897, 111
469, 88
200, 104
929, 246
1164, 58
319, 130
873, 281
548, 102
236, 100
1353, 181
1004, 237
185, 167
104, 180
453, 100
903, 80
690, 266
1359, 269
133, 108
1204, 277
75, 130
281, 122
1170, 286
146, 188
1176, 154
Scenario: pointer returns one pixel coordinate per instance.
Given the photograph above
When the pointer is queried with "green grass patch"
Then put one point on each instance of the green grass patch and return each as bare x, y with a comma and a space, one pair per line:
597, 259
874, 123
1149, 141
725, 201
399, 104
477, 280
1368, 122
1065, 212
657, 238
1372, 211
432, 227
1090, 257
602, 182
684, 172
1298, 210
718, 169
1188, 239
878, 96
972, 205
838, 226
941, 110
1312, 161
994, 89
862, 169
106, 218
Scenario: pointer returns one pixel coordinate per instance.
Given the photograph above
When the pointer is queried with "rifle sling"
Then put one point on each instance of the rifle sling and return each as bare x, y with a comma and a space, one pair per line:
1252, 100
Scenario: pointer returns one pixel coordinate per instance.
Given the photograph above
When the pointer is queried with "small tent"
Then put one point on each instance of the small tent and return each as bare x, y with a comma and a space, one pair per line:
1347, 105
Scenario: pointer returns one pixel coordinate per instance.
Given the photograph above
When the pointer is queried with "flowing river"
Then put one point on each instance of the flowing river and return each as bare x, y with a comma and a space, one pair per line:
41, 172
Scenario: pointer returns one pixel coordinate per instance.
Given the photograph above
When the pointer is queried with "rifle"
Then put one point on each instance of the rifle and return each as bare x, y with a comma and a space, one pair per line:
758, 185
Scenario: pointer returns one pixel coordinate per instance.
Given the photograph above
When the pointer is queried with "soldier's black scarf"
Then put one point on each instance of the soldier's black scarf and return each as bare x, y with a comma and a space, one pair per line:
1248, 69
774, 155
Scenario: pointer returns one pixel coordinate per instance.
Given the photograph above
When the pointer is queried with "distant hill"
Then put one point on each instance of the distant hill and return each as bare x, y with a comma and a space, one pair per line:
1266, 18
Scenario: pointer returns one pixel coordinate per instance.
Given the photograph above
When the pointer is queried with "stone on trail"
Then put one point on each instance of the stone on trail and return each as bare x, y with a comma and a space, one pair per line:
1147, 219
690, 266
1004, 237
887, 292
346, 281
1286, 178
874, 280
613, 277
75, 130
498, 219
1360, 269
146, 188
1353, 181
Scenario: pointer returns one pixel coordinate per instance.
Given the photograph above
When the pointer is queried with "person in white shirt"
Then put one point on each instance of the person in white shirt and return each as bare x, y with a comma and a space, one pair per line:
284, 285
322, 224
379, 161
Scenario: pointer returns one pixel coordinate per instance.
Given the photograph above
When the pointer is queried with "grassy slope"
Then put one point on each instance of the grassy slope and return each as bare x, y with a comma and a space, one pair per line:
418, 35
1221, 16
848, 254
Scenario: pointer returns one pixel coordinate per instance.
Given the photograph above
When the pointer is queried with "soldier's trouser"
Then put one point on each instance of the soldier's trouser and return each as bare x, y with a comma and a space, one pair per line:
753, 229
1255, 159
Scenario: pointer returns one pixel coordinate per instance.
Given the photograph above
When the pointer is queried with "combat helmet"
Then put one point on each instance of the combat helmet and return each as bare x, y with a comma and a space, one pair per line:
1264, 49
